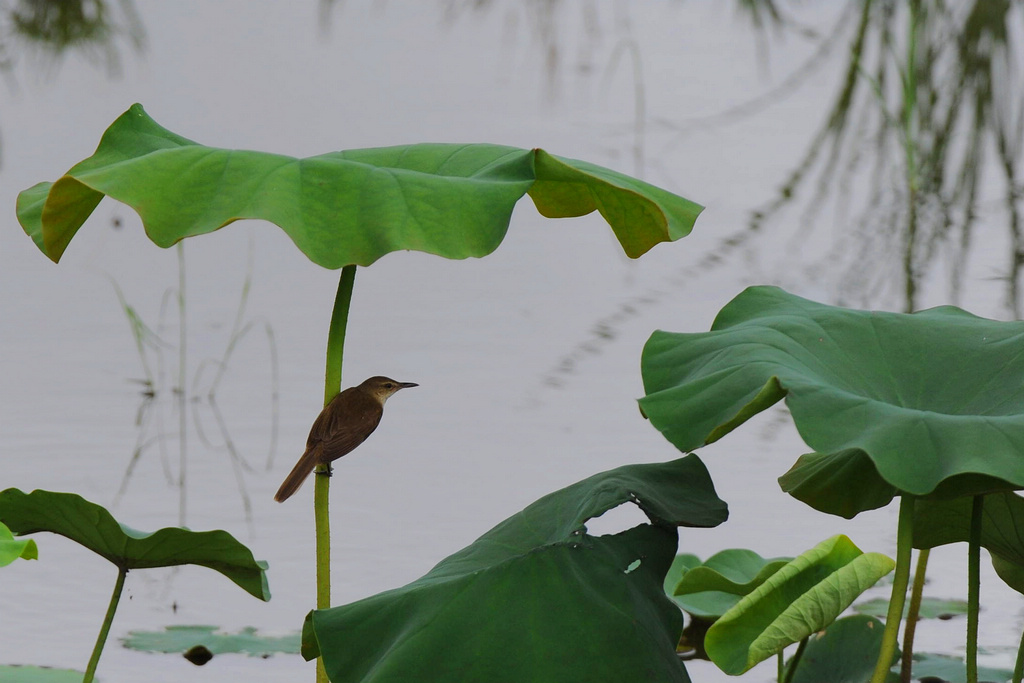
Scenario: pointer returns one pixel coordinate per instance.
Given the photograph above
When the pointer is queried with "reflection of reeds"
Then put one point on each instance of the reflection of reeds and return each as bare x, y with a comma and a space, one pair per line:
150, 418
927, 92
88, 27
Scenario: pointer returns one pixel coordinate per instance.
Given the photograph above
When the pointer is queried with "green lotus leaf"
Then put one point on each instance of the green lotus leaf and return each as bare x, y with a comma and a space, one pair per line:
844, 652
342, 208
933, 667
804, 596
90, 525
536, 598
939, 522
682, 563
710, 589
843, 483
11, 548
934, 399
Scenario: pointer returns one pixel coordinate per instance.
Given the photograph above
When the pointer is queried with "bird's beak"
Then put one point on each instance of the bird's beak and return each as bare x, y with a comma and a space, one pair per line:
406, 385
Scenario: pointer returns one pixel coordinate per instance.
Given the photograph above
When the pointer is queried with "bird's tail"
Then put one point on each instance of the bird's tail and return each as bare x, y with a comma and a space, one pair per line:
298, 475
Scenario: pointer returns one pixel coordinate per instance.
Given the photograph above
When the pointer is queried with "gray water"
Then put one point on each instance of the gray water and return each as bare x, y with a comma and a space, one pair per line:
527, 360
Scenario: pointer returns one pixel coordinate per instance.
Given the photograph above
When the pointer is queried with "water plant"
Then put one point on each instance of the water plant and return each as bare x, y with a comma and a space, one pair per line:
91, 526
343, 210
536, 597
926, 407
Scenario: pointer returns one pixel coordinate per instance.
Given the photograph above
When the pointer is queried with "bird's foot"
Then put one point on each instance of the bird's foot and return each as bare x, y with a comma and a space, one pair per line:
326, 472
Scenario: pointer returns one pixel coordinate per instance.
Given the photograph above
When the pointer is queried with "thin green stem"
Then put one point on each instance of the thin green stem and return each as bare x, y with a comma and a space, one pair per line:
182, 416
901, 578
907, 662
974, 587
90, 671
322, 482
1018, 669
779, 666
795, 662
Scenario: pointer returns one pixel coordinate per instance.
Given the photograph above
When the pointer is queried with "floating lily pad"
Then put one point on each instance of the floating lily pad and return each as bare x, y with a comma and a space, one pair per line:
13, 673
803, 597
536, 597
943, 668
180, 639
931, 608
92, 526
929, 403
347, 207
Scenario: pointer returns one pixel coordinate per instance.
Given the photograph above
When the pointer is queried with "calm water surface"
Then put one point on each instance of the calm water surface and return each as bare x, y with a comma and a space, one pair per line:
528, 360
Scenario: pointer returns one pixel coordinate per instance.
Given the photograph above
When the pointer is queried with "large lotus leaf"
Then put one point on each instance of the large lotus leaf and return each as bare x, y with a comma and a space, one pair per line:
845, 652
341, 208
939, 522
536, 598
710, 589
92, 526
11, 548
935, 399
803, 597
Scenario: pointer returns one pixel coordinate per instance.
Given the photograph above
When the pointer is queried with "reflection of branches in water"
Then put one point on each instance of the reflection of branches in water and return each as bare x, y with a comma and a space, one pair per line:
543, 20
54, 28
149, 418
927, 107
922, 149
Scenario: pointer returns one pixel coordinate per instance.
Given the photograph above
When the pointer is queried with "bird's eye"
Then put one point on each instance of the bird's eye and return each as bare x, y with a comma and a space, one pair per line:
388, 385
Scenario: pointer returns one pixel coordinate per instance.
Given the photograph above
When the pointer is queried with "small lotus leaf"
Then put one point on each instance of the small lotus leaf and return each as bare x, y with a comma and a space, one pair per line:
925, 403
343, 208
844, 652
710, 589
11, 549
90, 525
802, 597
536, 598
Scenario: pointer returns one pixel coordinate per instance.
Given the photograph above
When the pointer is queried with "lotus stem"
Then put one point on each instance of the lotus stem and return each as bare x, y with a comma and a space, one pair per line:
182, 415
322, 484
904, 546
795, 662
913, 614
974, 587
97, 650
1018, 669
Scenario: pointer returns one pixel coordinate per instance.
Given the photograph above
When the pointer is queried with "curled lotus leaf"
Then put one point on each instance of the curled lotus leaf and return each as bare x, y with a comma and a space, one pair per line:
929, 403
348, 207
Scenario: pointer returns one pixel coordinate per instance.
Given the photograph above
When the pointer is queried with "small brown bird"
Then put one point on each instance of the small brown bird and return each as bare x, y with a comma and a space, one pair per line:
343, 424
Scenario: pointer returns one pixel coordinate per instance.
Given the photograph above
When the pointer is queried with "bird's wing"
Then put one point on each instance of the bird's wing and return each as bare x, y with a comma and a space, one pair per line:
338, 432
